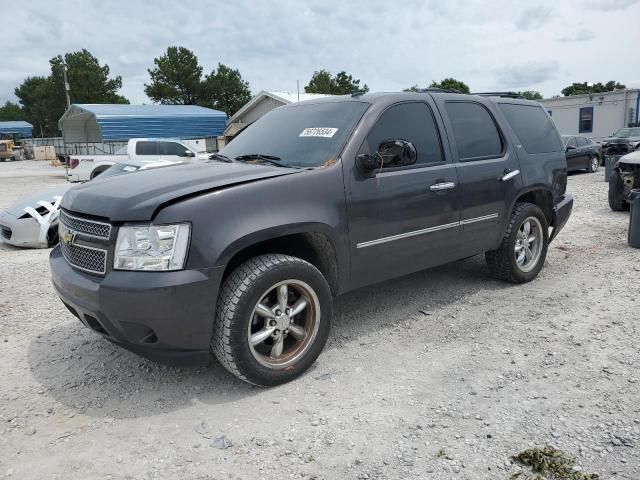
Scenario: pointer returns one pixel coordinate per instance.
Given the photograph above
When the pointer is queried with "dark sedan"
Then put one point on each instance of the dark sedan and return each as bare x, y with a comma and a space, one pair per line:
582, 153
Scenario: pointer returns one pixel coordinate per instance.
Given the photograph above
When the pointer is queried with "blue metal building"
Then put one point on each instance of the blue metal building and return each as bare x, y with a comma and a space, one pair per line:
89, 123
20, 128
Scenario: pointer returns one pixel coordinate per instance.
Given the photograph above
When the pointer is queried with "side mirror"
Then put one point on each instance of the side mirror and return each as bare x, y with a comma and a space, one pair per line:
569, 147
189, 153
391, 153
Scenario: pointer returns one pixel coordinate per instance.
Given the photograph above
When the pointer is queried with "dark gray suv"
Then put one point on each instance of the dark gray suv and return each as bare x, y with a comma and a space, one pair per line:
241, 256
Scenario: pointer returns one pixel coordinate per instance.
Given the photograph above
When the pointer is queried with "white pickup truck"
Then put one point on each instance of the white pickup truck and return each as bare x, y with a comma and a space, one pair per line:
82, 168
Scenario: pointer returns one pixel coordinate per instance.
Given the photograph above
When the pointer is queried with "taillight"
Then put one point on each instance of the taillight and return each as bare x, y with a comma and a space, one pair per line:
73, 163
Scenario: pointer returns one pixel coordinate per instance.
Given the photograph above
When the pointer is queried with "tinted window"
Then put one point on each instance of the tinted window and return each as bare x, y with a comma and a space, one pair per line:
412, 122
147, 148
474, 130
582, 142
172, 148
533, 127
304, 135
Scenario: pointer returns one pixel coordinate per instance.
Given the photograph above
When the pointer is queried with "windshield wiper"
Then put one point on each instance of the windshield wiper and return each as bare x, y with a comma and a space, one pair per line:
270, 159
221, 157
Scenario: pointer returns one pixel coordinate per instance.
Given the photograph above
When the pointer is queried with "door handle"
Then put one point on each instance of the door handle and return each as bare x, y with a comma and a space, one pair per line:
438, 187
509, 175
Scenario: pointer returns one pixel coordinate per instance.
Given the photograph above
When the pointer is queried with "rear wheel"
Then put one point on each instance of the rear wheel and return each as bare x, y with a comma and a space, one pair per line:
523, 250
594, 164
617, 202
273, 319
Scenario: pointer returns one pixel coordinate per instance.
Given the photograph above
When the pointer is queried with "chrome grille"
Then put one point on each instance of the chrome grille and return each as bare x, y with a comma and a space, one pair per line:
89, 259
84, 226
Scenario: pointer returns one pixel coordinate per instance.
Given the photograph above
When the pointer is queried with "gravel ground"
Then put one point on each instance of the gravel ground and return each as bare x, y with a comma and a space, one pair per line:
441, 374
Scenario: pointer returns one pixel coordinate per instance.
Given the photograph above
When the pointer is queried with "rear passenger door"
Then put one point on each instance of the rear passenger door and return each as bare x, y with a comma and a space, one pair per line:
488, 172
584, 152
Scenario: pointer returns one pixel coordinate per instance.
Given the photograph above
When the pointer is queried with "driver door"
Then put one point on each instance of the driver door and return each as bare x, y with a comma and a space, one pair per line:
403, 219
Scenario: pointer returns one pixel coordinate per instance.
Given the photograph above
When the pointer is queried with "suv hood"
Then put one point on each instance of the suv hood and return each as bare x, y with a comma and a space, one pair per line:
137, 195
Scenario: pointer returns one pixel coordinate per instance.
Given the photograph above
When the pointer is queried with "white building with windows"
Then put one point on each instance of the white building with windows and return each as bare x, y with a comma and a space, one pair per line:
595, 116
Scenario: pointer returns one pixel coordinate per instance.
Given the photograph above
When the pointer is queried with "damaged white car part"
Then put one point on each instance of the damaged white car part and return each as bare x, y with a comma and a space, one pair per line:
46, 221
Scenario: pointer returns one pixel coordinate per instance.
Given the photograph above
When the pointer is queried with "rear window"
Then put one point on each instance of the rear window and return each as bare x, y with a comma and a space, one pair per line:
533, 127
475, 131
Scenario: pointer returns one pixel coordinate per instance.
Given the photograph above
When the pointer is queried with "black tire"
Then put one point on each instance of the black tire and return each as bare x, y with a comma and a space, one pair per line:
241, 292
594, 164
617, 201
52, 236
502, 261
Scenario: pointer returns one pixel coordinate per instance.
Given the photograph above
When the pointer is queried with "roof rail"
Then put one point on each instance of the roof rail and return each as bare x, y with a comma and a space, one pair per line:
498, 94
356, 92
437, 89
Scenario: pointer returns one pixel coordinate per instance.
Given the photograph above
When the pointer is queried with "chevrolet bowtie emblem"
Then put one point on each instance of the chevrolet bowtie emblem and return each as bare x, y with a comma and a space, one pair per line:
67, 237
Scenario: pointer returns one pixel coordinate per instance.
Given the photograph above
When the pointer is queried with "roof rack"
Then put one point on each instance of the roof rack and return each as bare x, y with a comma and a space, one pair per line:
356, 92
498, 94
441, 90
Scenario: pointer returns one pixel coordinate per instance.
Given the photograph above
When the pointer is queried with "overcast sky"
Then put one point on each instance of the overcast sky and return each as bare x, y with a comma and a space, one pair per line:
490, 45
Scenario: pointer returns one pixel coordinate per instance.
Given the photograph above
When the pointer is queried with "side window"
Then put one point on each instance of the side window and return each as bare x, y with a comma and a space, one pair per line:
533, 127
147, 148
585, 120
412, 122
474, 130
572, 142
582, 142
172, 148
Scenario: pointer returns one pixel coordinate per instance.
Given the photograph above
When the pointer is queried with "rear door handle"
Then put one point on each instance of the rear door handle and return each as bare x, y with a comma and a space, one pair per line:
438, 187
509, 175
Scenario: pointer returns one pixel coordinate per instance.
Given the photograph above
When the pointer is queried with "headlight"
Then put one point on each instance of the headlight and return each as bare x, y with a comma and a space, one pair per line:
152, 247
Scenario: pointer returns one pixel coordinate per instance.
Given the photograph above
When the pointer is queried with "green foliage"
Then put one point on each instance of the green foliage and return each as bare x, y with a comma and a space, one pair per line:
585, 89
322, 81
224, 89
43, 99
11, 111
176, 79
414, 88
531, 94
451, 83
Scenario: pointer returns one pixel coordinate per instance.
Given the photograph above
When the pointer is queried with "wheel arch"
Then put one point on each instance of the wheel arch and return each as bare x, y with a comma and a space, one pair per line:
310, 244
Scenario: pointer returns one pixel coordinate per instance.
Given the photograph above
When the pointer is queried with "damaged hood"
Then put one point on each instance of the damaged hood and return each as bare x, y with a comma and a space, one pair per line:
631, 158
137, 196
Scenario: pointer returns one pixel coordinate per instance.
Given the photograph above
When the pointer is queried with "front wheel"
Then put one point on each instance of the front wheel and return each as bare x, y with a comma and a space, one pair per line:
617, 202
594, 164
521, 255
273, 319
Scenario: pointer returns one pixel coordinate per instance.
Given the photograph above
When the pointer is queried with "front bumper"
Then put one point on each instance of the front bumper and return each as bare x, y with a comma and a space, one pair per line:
164, 316
561, 214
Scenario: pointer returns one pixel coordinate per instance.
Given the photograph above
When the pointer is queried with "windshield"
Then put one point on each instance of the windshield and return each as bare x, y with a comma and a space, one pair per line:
300, 135
627, 132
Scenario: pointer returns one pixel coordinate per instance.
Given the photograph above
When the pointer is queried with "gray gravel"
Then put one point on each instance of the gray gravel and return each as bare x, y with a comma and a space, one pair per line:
442, 374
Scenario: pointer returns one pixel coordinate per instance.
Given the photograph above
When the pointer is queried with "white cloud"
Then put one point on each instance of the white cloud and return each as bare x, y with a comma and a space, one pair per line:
607, 5
534, 17
273, 44
581, 35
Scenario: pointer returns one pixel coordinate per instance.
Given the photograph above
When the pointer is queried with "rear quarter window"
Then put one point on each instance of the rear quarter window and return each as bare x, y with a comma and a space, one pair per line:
533, 127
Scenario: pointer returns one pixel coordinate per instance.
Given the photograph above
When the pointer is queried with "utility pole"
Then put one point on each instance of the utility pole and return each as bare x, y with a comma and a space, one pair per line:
66, 84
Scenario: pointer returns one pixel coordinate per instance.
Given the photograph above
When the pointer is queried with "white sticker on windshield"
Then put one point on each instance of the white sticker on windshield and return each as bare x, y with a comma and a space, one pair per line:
318, 132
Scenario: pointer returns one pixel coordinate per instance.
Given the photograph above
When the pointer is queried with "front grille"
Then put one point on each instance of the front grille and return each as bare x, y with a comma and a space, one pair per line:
5, 232
89, 259
84, 226
616, 149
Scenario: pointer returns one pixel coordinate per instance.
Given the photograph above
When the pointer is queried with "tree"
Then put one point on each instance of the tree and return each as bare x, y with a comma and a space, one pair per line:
176, 79
414, 88
322, 81
451, 83
43, 99
11, 111
587, 89
224, 89
531, 94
